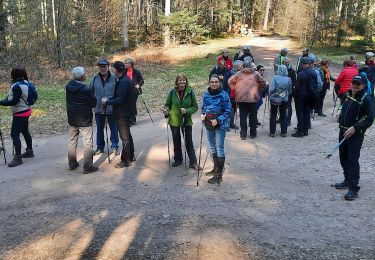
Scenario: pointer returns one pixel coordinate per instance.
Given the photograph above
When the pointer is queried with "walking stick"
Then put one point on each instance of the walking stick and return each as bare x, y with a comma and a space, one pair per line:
106, 131
2, 146
169, 152
144, 103
200, 154
235, 117
334, 106
335, 149
264, 113
204, 164
183, 136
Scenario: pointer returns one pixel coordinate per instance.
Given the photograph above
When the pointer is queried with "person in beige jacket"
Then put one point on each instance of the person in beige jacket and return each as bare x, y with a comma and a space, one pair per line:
247, 84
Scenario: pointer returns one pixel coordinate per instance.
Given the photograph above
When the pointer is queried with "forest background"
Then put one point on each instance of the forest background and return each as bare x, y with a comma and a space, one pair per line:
51, 36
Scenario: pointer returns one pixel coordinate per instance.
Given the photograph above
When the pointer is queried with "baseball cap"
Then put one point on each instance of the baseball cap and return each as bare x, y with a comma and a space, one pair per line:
102, 62
119, 65
359, 79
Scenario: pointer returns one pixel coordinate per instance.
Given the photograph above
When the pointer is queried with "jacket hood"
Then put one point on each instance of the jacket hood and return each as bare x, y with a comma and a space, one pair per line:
74, 86
247, 71
282, 70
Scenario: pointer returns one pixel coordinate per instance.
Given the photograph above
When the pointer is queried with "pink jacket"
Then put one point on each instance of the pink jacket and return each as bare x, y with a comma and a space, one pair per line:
246, 84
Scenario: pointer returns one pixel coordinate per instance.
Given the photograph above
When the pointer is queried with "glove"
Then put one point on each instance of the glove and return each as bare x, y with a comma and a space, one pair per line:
203, 117
166, 112
183, 111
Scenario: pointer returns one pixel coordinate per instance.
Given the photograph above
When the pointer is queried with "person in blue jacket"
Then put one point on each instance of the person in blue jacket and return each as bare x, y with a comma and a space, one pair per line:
216, 110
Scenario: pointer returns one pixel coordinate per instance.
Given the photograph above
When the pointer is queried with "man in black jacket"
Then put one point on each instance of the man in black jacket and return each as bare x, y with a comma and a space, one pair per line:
79, 103
123, 112
303, 97
356, 116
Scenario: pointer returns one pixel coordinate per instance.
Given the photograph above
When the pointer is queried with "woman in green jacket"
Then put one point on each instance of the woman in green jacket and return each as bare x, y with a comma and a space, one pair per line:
180, 105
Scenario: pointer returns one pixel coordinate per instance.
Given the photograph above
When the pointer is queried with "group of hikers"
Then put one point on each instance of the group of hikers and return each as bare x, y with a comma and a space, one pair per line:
234, 85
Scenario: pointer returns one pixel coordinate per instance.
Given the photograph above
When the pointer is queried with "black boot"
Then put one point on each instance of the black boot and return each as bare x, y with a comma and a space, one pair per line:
214, 170
218, 177
17, 160
28, 154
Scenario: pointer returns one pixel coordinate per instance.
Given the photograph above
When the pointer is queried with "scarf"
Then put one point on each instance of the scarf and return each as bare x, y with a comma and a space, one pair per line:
327, 73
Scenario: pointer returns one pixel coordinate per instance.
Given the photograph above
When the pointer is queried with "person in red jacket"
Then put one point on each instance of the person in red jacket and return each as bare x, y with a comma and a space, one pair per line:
228, 61
344, 80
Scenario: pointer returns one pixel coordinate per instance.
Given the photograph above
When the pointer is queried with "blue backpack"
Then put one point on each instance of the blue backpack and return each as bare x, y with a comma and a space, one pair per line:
32, 95
368, 87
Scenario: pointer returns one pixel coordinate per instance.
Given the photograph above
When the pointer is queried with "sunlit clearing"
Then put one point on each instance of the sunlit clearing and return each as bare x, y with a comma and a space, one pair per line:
118, 243
248, 147
68, 242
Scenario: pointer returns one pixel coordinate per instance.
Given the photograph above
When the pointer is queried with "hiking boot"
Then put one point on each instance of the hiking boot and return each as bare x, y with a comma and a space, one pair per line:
341, 185
90, 169
253, 136
243, 136
123, 164
351, 195
195, 166
298, 134
17, 160
176, 163
132, 159
98, 151
218, 176
73, 166
214, 170
272, 135
283, 135
28, 154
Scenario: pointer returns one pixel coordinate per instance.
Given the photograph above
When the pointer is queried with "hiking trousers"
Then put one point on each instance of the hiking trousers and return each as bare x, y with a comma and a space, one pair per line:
350, 151
86, 133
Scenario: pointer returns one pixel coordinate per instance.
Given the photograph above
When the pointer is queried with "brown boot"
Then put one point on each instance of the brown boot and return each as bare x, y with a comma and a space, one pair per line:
214, 170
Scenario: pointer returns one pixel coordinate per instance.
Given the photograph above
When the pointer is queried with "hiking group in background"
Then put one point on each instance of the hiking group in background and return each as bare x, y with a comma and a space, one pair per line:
233, 85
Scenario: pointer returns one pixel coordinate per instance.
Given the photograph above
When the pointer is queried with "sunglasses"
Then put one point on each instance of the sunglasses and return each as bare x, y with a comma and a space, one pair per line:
357, 83
262, 70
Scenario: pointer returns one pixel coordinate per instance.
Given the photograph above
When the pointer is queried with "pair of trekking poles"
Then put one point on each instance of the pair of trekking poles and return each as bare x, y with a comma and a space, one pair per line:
200, 172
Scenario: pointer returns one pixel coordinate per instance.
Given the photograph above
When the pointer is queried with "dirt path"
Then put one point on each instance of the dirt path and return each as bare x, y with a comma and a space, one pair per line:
275, 202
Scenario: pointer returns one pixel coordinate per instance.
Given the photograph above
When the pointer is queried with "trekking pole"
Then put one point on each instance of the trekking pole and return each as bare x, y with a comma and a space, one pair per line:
335, 149
235, 117
204, 164
106, 130
169, 152
264, 113
3, 146
200, 154
334, 106
183, 136
144, 103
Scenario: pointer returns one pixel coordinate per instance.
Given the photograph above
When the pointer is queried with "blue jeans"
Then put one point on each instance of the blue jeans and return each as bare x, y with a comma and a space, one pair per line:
216, 141
100, 124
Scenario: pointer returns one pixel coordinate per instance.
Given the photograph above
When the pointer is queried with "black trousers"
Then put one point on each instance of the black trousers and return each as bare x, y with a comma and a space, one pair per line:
233, 112
303, 108
350, 151
290, 109
248, 109
283, 121
176, 136
322, 95
123, 124
20, 125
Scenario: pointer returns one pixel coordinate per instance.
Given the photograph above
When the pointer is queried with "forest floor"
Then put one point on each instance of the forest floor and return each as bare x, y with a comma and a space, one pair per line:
275, 202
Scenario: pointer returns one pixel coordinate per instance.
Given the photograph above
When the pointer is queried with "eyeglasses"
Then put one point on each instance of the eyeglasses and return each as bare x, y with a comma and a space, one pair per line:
262, 70
214, 82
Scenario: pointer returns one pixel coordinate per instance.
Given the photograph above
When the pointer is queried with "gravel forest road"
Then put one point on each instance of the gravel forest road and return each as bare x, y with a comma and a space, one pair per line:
275, 203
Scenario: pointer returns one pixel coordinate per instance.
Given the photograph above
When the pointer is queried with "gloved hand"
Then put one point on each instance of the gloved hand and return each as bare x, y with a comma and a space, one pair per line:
183, 111
166, 112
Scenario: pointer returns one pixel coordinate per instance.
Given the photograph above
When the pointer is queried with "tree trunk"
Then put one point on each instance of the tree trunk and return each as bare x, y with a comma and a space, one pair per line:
53, 17
167, 32
124, 25
370, 21
59, 32
230, 17
340, 31
3, 24
265, 23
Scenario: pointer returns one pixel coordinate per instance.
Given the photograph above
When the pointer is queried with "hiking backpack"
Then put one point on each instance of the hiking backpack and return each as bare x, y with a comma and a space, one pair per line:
32, 94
